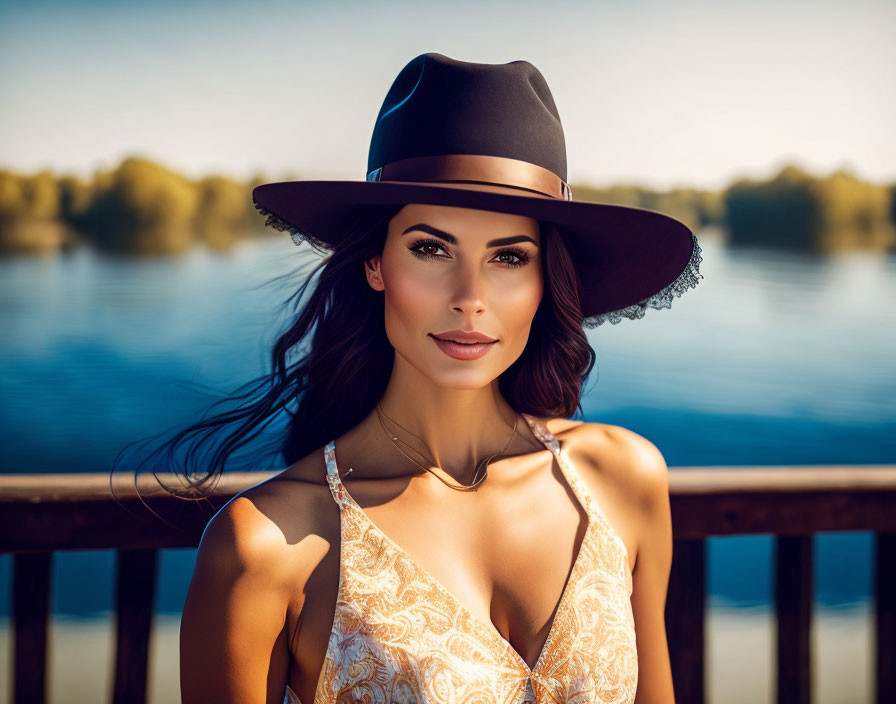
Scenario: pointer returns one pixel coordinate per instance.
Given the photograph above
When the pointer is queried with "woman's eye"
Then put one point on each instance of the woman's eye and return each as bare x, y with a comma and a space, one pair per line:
418, 248
519, 257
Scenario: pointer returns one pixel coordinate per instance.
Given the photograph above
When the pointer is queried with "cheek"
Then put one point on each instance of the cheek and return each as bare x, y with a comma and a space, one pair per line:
410, 296
405, 284
524, 295
515, 306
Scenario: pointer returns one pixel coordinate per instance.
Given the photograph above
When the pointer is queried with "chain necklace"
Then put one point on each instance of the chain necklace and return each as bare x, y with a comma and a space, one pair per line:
459, 487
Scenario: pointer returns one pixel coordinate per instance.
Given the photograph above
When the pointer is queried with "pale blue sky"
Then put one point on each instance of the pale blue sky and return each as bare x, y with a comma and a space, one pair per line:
660, 93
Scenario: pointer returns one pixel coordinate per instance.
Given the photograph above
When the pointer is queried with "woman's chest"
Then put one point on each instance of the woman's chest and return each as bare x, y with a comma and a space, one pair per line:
504, 561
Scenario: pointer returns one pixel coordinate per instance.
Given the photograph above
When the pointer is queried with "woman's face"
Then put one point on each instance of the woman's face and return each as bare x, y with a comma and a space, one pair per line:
448, 268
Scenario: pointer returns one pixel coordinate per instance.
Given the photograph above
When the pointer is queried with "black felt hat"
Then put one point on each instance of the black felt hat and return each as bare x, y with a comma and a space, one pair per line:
488, 136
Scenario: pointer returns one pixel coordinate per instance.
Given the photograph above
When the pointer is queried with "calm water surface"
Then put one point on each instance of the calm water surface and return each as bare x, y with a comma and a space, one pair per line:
773, 359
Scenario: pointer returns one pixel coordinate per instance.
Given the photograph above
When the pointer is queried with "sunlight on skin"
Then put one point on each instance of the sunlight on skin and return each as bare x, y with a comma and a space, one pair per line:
466, 286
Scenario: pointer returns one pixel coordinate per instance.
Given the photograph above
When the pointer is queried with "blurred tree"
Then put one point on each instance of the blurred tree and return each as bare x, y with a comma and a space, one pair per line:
694, 208
222, 215
782, 212
42, 195
856, 214
34, 196
12, 196
798, 210
891, 189
74, 198
29, 214
142, 208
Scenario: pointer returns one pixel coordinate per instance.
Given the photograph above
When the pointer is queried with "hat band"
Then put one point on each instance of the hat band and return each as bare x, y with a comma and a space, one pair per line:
476, 168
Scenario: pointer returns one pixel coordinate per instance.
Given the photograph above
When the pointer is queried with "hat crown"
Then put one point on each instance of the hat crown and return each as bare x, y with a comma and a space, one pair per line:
438, 105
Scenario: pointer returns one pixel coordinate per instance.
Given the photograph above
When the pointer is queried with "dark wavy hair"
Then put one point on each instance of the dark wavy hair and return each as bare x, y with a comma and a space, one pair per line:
332, 363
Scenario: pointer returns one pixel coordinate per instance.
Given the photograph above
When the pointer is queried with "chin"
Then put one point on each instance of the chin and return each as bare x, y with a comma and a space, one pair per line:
441, 374
467, 379
452, 374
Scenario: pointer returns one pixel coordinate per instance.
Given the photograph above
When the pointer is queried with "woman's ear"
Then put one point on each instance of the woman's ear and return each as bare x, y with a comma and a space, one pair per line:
374, 275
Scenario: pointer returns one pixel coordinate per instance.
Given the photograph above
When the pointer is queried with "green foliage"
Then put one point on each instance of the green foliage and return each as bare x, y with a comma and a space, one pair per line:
34, 196
222, 215
12, 196
141, 207
221, 200
783, 211
891, 190
798, 210
694, 208
29, 214
74, 198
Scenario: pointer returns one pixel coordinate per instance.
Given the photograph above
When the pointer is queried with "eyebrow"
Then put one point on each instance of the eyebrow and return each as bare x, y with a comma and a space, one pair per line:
451, 239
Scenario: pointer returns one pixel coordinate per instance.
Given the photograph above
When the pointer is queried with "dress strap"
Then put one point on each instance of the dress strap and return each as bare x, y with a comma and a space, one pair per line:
333, 479
540, 430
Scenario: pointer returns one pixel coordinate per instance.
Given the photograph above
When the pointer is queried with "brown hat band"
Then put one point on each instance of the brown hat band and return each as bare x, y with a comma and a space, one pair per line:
477, 168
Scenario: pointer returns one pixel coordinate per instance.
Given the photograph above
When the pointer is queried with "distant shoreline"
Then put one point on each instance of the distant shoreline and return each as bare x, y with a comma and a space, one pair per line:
143, 208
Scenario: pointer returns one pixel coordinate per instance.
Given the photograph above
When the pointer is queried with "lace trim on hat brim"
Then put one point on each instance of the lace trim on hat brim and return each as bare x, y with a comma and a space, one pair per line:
689, 278
278, 223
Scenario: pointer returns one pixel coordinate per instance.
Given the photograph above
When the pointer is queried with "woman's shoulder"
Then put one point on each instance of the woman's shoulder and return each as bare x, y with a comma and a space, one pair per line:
618, 454
266, 525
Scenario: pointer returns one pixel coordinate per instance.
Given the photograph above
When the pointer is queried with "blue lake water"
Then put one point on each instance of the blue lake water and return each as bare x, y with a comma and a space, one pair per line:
774, 359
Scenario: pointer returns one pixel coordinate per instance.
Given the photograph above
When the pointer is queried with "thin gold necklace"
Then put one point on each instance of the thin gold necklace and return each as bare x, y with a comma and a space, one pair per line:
459, 487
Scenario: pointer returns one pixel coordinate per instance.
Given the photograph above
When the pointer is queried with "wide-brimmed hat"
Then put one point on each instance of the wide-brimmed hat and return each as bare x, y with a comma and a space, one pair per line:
488, 136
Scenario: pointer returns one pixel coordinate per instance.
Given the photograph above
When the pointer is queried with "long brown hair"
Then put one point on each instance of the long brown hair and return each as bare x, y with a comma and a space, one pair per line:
332, 363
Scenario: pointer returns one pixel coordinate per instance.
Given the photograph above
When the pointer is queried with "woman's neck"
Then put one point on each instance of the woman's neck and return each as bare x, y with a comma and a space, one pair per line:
456, 430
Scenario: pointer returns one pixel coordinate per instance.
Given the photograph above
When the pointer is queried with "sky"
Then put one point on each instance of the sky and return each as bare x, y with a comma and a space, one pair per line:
659, 93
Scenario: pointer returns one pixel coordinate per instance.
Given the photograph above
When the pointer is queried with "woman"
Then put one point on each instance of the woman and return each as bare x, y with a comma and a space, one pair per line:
443, 533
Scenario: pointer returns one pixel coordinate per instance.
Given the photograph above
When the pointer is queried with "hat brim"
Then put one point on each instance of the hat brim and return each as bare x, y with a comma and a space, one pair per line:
624, 255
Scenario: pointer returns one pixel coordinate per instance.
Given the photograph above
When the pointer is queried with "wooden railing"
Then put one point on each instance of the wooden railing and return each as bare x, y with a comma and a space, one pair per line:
43, 513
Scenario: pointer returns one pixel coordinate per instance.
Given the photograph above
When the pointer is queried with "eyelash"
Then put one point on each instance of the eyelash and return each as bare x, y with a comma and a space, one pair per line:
523, 257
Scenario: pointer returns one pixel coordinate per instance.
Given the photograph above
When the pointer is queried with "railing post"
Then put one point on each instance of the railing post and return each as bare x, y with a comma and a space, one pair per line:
793, 604
135, 594
31, 608
685, 619
884, 596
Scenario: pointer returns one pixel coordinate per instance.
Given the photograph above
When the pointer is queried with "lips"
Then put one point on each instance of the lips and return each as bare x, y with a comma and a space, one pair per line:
459, 342
463, 351
463, 337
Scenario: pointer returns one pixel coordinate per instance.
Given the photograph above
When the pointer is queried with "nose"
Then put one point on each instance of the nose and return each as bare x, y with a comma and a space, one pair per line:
469, 290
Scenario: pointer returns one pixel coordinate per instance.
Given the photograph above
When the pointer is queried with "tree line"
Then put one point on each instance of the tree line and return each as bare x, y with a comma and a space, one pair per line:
141, 207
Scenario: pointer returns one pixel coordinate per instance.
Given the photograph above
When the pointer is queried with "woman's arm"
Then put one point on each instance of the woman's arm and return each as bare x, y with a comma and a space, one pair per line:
233, 635
653, 563
638, 471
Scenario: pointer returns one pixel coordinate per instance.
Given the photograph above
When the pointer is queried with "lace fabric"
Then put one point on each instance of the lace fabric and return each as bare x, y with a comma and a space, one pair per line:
398, 635
689, 277
297, 236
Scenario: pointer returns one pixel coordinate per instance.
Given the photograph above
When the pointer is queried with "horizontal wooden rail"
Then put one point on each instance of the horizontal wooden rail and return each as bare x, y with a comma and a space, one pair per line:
43, 513
80, 512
